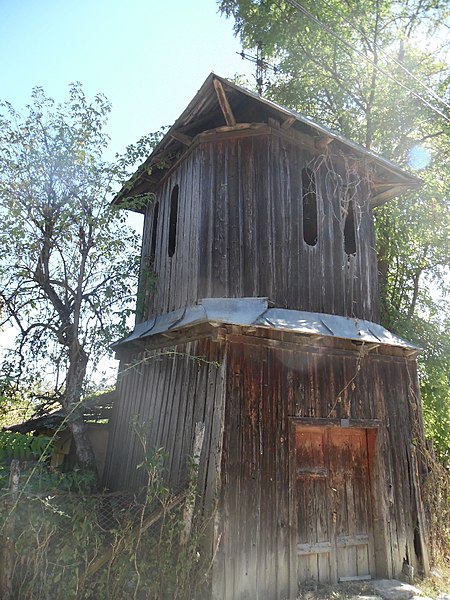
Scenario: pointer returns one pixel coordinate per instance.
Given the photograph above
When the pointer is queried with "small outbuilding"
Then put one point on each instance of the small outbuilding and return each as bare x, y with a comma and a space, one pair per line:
54, 424
262, 324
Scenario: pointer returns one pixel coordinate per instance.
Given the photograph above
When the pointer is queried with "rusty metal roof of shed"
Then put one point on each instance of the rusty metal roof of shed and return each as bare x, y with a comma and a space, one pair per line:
256, 312
205, 113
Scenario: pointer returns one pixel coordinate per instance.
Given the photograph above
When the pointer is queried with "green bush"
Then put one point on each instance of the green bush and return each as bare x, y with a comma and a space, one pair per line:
71, 545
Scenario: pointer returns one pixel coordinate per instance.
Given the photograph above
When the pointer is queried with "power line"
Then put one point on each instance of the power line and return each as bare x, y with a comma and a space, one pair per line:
261, 65
390, 57
303, 10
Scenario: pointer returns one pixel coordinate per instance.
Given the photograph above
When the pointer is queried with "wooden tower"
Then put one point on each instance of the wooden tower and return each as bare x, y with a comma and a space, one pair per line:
262, 325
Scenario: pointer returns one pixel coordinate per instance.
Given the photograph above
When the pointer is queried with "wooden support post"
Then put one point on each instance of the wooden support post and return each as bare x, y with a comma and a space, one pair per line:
7, 551
190, 500
224, 104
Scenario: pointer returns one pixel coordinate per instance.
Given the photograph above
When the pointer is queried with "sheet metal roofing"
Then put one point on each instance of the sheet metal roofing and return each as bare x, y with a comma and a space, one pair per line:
256, 312
204, 114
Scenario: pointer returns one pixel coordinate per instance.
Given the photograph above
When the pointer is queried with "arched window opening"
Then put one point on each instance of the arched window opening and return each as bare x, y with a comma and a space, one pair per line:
154, 233
173, 220
349, 230
309, 196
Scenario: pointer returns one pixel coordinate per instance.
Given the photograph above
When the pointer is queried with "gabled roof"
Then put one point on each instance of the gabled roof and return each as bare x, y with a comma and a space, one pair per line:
221, 106
255, 312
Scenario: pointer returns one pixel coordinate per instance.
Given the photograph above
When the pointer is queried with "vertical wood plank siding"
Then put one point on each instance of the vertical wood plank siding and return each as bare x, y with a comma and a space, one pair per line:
164, 395
265, 387
249, 404
240, 231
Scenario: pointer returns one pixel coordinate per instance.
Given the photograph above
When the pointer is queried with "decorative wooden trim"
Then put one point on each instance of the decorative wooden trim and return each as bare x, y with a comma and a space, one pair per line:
224, 104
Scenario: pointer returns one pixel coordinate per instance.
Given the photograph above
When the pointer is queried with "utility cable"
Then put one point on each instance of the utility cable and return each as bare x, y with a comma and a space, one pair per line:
303, 10
390, 57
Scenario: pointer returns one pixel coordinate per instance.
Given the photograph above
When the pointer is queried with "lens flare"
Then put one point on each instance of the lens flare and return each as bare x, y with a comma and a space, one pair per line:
419, 157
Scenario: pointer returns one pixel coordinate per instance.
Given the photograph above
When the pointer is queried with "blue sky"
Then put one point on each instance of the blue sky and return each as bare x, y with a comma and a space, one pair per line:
148, 57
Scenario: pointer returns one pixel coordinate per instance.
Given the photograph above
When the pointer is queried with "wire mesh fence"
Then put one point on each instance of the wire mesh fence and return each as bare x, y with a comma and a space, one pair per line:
64, 544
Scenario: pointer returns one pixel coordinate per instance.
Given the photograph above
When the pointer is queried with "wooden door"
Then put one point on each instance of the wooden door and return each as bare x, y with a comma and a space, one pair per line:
333, 504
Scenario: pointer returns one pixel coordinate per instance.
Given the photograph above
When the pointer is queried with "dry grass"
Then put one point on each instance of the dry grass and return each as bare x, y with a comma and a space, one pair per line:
439, 580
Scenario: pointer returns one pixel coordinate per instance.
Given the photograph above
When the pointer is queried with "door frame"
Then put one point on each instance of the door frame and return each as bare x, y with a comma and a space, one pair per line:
377, 519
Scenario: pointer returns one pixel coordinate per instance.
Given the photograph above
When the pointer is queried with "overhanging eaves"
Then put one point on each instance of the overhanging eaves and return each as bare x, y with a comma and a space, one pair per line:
255, 312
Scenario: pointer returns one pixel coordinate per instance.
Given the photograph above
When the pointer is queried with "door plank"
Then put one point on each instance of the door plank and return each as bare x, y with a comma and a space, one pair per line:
333, 503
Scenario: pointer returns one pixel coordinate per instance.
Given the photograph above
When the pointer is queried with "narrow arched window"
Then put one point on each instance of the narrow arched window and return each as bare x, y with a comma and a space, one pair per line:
349, 230
173, 219
309, 197
154, 233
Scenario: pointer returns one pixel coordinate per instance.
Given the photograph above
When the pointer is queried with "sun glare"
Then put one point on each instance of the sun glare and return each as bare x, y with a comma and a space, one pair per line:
419, 157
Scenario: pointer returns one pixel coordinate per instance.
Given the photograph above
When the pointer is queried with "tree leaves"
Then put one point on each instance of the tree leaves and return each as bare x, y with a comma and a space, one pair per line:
366, 69
67, 260
23, 446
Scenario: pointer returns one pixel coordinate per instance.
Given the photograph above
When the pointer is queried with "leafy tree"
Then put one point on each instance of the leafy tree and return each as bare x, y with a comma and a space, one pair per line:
377, 71
68, 261
16, 405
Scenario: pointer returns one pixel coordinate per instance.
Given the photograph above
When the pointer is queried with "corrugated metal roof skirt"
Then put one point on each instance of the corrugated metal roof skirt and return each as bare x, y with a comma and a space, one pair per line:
256, 312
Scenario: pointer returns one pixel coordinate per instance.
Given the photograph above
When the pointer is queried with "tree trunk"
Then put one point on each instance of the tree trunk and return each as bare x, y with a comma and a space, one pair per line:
83, 445
72, 403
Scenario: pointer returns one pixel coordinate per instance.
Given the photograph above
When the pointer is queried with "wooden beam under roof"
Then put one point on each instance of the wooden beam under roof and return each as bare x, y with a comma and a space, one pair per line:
288, 122
322, 143
224, 104
394, 190
182, 137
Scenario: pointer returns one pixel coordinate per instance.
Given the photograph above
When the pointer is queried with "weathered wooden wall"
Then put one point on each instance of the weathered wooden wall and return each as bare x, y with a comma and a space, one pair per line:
267, 387
240, 230
164, 395
249, 405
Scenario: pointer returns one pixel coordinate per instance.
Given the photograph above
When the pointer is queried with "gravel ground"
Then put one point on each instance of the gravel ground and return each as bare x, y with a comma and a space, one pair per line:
435, 588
